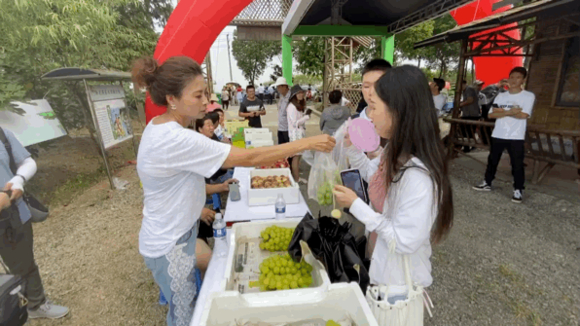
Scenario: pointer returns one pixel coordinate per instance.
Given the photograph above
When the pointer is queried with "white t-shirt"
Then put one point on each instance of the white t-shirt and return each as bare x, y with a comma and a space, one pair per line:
344, 101
260, 90
440, 101
172, 164
510, 127
363, 114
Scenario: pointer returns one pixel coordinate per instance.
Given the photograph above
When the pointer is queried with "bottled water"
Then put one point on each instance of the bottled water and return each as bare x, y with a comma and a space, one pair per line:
280, 207
219, 235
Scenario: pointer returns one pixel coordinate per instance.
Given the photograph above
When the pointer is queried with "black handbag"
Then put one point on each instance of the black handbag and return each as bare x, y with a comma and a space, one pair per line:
38, 211
13, 304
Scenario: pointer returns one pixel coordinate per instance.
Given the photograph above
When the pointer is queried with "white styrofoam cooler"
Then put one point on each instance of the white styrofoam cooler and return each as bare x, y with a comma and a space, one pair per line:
260, 197
251, 230
340, 300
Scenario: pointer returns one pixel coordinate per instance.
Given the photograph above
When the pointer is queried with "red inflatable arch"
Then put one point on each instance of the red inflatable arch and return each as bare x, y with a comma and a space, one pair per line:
191, 30
488, 69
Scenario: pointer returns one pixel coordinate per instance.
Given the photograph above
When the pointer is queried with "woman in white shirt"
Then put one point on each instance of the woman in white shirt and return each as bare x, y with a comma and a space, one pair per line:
409, 187
297, 117
172, 164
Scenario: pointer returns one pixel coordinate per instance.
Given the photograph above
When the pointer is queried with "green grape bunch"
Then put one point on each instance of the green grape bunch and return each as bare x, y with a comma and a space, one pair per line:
280, 272
324, 192
275, 238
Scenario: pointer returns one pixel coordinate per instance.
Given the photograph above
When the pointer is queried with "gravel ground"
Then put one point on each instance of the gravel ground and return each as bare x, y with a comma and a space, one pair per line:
502, 264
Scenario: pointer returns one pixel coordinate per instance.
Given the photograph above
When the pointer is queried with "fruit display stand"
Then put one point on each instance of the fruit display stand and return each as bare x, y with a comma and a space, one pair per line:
245, 257
240, 211
342, 301
268, 196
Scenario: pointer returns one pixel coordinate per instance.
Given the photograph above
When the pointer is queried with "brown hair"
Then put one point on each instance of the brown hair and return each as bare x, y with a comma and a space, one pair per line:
300, 105
170, 78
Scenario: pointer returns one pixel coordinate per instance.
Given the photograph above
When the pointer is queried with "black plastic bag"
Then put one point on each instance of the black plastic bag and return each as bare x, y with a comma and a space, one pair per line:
342, 254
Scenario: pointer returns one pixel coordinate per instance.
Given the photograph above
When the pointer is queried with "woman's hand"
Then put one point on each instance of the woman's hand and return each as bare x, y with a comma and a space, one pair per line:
225, 187
16, 193
4, 201
344, 196
207, 216
321, 143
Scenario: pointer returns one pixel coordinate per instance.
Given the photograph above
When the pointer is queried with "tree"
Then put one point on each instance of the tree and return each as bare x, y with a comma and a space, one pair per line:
253, 56
405, 41
39, 36
309, 55
443, 56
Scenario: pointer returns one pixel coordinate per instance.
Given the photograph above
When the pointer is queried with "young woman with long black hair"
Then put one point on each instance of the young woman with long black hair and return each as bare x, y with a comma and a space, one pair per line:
410, 186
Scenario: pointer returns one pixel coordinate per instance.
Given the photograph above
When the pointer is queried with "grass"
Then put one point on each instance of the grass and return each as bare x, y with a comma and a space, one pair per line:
76, 185
517, 284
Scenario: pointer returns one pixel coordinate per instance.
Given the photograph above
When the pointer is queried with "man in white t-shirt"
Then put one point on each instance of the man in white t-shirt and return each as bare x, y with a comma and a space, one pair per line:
439, 99
511, 110
260, 92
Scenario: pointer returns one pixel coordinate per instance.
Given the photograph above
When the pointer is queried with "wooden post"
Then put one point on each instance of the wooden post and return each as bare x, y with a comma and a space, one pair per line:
457, 99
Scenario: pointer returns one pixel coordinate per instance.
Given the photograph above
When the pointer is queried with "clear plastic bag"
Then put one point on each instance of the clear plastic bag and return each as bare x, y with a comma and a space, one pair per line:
323, 176
339, 152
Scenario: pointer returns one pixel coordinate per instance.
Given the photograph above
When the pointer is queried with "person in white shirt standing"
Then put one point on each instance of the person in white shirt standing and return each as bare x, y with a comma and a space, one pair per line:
439, 99
410, 190
172, 164
511, 110
260, 92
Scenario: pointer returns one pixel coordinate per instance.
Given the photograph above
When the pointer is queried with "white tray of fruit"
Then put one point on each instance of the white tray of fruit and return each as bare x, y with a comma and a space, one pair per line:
266, 184
258, 261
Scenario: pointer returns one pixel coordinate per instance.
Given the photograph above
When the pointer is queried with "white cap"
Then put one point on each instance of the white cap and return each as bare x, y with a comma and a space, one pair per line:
280, 82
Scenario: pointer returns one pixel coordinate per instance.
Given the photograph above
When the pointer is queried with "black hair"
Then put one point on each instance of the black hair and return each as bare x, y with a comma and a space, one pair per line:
520, 70
218, 110
440, 83
376, 65
214, 116
250, 86
200, 122
335, 96
415, 132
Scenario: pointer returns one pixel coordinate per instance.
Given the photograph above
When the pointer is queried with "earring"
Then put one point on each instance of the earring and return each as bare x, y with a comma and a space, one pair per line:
173, 107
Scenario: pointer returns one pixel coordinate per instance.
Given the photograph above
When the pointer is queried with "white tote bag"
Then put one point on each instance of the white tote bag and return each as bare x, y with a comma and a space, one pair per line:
407, 312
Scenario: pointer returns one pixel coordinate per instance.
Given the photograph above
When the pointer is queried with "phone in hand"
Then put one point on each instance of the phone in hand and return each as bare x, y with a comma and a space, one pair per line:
353, 180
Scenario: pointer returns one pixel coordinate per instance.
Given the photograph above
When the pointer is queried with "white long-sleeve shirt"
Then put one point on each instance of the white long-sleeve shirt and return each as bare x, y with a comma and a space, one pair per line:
296, 123
407, 218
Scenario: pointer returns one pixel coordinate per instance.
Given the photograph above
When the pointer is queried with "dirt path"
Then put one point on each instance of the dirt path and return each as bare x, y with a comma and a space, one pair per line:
89, 260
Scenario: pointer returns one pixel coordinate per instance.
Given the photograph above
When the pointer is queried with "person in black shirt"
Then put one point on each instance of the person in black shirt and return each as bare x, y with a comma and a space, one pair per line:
252, 108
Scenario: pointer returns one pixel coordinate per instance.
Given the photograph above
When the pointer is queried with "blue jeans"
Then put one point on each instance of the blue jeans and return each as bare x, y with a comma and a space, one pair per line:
174, 273
224, 177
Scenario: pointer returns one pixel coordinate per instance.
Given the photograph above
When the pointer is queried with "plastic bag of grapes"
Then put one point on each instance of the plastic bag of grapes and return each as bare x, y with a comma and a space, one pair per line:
323, 176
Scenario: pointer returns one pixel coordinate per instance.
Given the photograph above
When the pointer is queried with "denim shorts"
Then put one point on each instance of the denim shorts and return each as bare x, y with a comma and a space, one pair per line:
175, 275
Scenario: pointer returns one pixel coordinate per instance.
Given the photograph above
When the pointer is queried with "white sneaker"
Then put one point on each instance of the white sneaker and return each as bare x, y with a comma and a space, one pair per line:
518, 196
48, 310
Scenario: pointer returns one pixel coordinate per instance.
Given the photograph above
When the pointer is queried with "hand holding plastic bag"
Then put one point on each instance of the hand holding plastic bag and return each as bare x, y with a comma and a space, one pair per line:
323, 176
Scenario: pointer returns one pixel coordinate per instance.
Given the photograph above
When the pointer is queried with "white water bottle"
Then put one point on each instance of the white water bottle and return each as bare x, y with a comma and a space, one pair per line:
219, 235
280, 207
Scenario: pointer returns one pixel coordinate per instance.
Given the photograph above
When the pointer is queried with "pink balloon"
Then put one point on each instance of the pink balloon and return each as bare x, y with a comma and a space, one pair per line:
363, 135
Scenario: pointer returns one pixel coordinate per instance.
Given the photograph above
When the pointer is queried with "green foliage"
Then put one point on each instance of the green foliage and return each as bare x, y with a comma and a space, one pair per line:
307, 79
42, 35
253, 56
309, 55
405, 41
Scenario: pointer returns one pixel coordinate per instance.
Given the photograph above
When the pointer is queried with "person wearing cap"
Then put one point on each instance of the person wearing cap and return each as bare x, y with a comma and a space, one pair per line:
252, 108
284, 91
298, 114
213, 103
439, 99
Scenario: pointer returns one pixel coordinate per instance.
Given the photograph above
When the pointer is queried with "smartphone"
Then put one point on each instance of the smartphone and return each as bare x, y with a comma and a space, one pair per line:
353, 180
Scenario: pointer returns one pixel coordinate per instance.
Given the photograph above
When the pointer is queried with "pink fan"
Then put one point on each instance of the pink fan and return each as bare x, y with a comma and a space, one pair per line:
363, 135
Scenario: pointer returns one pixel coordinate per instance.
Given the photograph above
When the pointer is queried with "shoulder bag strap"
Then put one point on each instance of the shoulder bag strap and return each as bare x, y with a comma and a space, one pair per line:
8, 147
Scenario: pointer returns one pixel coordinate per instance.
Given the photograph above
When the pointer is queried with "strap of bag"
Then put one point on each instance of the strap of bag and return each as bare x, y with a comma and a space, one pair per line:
8, 147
